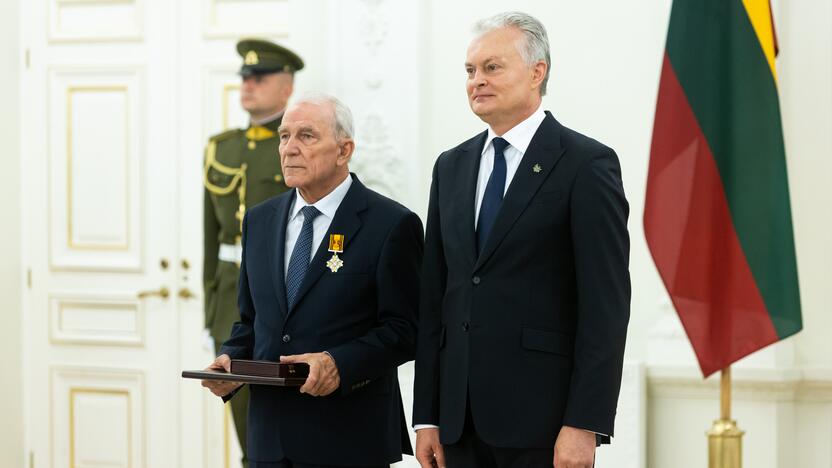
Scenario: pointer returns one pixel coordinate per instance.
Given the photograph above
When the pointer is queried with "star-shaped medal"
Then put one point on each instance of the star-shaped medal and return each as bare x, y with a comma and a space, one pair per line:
334, 263
537, 168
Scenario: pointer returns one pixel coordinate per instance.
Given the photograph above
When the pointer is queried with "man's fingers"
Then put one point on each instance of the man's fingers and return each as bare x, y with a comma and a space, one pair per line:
311, 380
429, 451
321, 386
294, 358
323, 374
317, 377
318, 381
221, 362
324, 386
439, 454
219, 388
326, 379
425, 458
571, 461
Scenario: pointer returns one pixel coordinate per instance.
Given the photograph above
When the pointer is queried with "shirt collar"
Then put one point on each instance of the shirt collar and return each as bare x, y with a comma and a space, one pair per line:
327, 205
520, 136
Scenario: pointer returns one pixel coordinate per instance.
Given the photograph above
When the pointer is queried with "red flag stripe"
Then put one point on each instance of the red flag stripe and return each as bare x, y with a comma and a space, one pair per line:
692, 238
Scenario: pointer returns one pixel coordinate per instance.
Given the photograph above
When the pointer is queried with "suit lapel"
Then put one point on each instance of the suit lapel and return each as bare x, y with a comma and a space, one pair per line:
277, 248
469, 161
543, 153
346, 222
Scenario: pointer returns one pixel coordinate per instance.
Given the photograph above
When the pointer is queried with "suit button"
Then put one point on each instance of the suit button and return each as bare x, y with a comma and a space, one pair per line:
475, 280
287, 338
465, 326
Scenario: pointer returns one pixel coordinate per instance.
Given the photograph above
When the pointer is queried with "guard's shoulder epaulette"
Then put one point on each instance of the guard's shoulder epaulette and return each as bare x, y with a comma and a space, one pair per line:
225, 135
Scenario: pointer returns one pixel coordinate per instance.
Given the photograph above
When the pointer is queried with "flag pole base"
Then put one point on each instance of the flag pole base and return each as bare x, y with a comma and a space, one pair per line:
725, 445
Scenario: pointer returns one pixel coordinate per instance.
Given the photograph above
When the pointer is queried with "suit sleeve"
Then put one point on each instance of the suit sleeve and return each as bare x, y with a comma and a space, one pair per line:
240, 345
393, 340
211, 229
601, 247
434, 275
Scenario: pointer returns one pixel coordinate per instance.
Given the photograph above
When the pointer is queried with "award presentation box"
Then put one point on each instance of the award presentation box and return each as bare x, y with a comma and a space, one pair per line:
256, 372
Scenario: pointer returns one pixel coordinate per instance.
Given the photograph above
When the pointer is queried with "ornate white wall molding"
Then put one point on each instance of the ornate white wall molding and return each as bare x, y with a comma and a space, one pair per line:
93, 318
239, 18
96, 20
374, 50
769, 385
97, 417
96, 134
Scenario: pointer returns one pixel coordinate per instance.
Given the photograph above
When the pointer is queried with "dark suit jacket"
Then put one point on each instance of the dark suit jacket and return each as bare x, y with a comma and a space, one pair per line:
531, 332
364, 315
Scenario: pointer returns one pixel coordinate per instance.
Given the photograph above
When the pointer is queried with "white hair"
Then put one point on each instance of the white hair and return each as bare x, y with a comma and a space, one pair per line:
536, 45
342, 124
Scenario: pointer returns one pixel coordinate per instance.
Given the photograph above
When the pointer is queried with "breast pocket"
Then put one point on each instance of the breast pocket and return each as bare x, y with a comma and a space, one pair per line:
220, 183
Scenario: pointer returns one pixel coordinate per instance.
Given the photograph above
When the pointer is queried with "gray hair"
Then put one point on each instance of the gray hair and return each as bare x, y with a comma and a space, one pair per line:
536, 46
342, 124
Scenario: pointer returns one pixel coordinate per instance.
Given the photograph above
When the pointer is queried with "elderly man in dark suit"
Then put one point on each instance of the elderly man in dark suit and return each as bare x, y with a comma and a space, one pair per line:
329, 277
525, 285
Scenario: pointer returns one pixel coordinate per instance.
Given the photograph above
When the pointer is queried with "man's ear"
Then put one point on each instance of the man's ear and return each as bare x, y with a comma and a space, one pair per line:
345, 149
539, 71
288, 86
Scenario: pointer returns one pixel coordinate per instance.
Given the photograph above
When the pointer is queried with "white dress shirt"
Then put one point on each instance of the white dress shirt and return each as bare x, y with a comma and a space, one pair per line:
518, 139
327, 205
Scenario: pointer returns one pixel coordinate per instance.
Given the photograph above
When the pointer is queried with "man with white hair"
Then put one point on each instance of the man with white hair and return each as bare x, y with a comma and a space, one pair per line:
525, 284
329, 277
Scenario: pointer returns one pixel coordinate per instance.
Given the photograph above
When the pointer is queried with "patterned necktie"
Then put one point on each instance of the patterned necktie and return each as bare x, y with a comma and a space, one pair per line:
299, 262
493, 197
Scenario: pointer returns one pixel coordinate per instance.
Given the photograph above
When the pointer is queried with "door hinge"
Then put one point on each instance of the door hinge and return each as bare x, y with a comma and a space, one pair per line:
27, 58
31, 459
29, 278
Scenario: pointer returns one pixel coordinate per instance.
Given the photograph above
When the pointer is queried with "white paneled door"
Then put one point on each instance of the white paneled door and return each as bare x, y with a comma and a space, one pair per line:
119, 97
104, 312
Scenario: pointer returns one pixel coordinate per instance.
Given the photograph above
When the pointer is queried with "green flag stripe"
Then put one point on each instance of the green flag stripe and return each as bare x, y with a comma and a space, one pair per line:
720, 65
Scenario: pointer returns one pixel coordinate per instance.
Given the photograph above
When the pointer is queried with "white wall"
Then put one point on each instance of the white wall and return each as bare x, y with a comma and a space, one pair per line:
805, 68
11, 287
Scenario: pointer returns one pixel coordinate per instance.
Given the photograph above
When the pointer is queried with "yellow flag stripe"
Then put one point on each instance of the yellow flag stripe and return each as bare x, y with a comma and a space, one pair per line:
760, 16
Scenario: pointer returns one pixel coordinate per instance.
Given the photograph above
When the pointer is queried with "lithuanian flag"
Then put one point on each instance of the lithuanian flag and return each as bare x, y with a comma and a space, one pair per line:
717, 216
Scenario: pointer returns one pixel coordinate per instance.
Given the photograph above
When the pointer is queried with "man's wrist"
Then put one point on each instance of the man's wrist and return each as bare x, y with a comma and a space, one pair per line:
417, 427
334, 362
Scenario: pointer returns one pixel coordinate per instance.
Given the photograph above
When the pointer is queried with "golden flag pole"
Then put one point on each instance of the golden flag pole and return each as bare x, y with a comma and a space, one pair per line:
725, 438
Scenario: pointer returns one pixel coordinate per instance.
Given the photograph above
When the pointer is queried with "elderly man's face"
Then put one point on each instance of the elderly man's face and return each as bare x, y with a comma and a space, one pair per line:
312, 158
265, 95
500, 84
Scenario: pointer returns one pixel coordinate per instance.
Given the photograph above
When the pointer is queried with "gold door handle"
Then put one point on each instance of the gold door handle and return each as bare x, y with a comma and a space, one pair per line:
162, 292
186, 293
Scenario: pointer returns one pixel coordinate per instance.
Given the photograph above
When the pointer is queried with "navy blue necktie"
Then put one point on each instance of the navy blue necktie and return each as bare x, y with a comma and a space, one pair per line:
299, 262
493, 196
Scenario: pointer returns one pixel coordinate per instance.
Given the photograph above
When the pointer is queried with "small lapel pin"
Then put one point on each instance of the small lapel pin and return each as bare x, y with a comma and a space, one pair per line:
537, 168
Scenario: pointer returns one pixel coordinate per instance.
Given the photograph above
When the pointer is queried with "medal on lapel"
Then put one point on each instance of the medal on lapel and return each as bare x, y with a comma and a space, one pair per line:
336, 246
